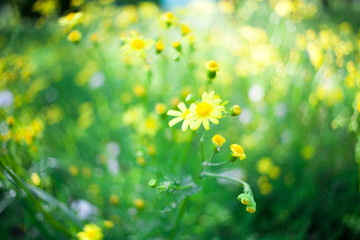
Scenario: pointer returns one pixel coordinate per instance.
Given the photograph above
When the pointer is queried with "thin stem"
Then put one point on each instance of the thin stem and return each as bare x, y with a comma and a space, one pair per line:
201, 145
186, 63
218, 164
183, 187
178, 217
185, 154
52, 221
214, 175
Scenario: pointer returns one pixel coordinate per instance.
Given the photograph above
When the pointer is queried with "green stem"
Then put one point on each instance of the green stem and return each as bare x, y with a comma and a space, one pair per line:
206, 163
178, 217
183, 187
201, 146
185, 154
52, 221
214, 175
186, 63
218, 164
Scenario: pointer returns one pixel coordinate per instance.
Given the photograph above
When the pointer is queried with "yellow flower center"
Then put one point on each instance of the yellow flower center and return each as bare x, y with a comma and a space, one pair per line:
212, 66
70, 16
137, 44
203, 109
185, 113
90, 233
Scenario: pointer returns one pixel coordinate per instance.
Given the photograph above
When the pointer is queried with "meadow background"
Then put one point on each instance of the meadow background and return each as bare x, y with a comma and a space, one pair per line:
83, 123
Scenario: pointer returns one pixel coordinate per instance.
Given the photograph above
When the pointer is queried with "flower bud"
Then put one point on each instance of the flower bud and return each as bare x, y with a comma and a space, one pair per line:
152, 183
190, 99
244, 198
177, 45
251, 208
159, 46
74, 36
211, 75
235, 110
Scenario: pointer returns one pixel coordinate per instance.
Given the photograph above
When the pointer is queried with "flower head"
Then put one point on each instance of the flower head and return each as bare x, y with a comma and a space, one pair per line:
209, 109
218, 140
91, 232
212, 66
71, 20
176, 45
136, 43
159, 46
74, 36
180, 116
237, 151
169, 18
185, 29
235, 110
139, 203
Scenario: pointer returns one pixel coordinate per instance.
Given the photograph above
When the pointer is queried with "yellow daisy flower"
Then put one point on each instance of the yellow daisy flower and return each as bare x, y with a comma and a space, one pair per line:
237, 151
180, 115
136, 43
209, 109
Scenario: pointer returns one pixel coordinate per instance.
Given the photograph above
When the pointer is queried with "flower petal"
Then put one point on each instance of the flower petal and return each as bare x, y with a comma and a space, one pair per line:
174, 113
182, 106
206, 123
213, 120
175, 121
185, 125
205, 97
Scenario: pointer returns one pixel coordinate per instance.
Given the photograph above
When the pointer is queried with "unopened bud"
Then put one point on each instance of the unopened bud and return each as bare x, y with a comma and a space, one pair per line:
177, 45
152, 183
190, 99
244, 198
211, 75
235, 110
251, 208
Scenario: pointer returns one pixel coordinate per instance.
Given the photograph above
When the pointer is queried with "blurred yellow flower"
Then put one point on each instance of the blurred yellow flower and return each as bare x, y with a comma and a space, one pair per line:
209, 109
169, 18
114, 199
139, 203
136, 43
71, 20
35, 179
139, 90
10, 120
90, 232
263, 165
73, 170
141, 161
160, 108
74, 36
185, 29
108, 224
159, 46
176, 45
212, 66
